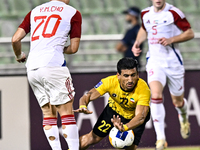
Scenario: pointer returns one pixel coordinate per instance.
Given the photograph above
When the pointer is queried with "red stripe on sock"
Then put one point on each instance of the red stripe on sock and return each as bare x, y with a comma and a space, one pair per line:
49, 121
68, 119
49, 118
157, 100
67, 116
69, 123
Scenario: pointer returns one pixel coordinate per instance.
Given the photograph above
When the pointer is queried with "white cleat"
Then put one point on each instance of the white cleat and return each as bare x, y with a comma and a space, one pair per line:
161, 144
185, 129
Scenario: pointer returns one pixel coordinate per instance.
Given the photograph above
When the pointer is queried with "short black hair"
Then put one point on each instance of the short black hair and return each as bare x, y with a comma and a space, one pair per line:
127, 63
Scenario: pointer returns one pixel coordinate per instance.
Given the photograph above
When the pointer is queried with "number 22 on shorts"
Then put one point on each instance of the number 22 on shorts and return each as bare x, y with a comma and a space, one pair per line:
104, 124
46, 20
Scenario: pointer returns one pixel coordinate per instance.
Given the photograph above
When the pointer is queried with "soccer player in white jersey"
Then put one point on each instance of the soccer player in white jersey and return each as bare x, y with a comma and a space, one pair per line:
165, 26
50, 24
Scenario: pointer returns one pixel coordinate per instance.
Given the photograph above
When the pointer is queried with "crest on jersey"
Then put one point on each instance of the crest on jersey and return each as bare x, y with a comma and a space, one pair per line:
98, 84
132, 100
126, 94
155, 21
114, 95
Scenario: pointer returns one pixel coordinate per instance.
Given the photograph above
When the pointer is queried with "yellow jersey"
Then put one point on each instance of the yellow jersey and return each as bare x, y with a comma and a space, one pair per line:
122, 102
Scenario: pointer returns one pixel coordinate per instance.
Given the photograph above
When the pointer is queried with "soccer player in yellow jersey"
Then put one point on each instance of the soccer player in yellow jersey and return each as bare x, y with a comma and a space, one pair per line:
128, 104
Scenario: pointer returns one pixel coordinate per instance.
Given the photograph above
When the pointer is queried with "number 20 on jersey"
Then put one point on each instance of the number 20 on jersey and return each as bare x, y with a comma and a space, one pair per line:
45, 20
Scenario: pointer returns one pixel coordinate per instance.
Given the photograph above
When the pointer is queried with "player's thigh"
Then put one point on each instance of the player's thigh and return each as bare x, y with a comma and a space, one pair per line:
176, 81
156, 89
156, 79
49, 110
58, 85
155, 73
37, 87
65, 109
104, 124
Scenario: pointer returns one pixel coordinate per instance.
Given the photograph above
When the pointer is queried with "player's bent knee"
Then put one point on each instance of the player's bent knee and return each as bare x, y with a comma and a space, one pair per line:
156, 95
46, 106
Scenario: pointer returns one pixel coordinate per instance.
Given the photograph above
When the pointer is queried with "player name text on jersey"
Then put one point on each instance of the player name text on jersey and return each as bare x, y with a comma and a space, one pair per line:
51, 9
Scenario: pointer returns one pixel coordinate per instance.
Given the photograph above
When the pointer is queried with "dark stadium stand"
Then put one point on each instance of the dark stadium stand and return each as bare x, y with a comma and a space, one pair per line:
94, 11
88, 7
115, 6
19, 8
141, 4
3, 8
187, 5
37, 2
104, 24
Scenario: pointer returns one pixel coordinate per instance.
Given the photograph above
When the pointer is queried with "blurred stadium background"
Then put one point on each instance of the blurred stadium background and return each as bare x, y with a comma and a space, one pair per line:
103, 25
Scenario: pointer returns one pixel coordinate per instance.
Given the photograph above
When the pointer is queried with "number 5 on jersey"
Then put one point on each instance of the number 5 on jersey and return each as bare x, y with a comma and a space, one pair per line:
155, 30
46, 20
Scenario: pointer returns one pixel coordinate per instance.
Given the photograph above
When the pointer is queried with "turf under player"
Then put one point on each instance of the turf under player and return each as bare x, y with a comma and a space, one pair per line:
129, 100
161, 25
50, 25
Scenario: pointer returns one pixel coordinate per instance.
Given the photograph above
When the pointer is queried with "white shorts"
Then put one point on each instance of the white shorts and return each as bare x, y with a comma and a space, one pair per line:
51, 84
173, 76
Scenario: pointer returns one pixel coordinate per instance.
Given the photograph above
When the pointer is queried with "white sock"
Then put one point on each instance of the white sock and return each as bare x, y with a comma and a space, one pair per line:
182, 111
70, 131
52, 133
158, 116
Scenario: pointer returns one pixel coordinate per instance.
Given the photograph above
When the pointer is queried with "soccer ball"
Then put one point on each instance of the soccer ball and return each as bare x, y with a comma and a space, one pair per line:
120, 139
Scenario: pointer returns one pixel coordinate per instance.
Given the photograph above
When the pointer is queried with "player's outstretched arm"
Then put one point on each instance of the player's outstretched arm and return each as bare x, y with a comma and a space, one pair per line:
73, 47
141, 112
140, 115
85, 99
116, 120
141, 37
16, 44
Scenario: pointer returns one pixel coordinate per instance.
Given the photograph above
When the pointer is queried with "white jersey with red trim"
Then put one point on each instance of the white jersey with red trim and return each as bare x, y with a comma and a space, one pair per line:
50, 24
167, 23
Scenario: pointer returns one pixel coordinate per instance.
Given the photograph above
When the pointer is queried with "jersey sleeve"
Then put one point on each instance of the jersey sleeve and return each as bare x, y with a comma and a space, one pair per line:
76, 22
26, 23
144, 98
103, 86
142, 15
179, 19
